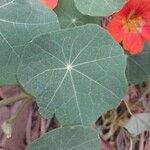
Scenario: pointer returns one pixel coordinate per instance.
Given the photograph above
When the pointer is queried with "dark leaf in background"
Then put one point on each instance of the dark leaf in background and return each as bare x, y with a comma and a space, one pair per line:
138, 67
69, 16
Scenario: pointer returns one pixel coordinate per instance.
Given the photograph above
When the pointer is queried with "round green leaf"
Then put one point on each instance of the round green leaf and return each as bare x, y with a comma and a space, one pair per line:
20, 21
69, 16
99, 7
138, 67
68, 138
75, 73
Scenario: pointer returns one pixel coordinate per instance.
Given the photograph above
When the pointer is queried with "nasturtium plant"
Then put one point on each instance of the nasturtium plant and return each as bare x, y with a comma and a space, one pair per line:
68, 138
99, 7
70, 71
69, 16
130, 26
70, 66
20, 21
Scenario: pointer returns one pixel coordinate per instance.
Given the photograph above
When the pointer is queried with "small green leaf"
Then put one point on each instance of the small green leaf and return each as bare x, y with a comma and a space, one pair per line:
138, 67
20, 21
68, 138
99, 7
7, 129
69, 16
76, 73
138, 123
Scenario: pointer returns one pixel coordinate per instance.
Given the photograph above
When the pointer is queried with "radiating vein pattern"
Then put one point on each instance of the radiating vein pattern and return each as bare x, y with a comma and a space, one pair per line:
77, 71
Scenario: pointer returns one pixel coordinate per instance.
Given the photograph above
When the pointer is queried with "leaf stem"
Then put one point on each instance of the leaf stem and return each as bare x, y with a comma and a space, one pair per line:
14, 99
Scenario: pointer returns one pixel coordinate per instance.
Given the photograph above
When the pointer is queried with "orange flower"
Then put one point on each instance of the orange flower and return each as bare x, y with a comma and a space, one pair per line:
131, 25
50, 3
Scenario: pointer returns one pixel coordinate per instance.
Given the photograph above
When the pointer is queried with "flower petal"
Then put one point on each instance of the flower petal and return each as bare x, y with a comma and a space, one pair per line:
50, 3
135, 4
115, 27
123, 12
133, 43
146, 32
146, 15
141, 7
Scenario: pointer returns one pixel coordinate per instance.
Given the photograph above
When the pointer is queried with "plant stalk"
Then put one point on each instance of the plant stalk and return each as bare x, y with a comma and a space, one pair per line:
14, 99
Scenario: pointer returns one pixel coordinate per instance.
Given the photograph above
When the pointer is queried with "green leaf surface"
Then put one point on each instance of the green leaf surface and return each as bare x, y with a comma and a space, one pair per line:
68, 138
75, 73
99, 7
138, 67
20, 21
69, 16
